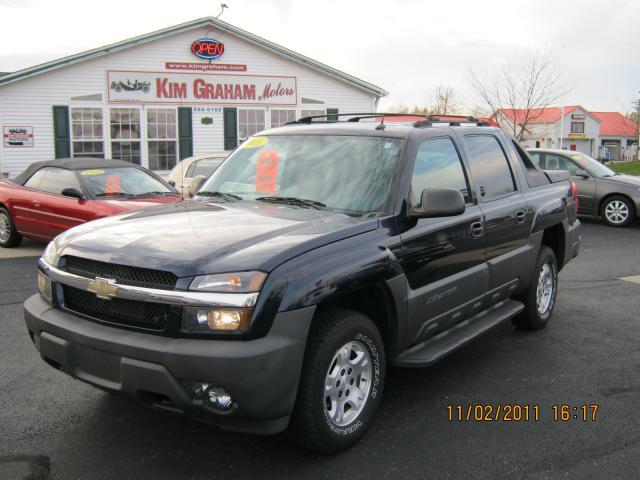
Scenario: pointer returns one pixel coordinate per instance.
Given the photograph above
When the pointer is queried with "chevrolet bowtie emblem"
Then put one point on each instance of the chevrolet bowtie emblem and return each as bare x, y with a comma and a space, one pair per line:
104, 288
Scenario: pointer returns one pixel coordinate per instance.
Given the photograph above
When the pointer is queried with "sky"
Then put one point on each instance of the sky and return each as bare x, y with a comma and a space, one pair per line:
407, 47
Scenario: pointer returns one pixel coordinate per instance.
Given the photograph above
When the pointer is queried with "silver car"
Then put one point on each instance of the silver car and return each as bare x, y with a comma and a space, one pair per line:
200, 165
601, 191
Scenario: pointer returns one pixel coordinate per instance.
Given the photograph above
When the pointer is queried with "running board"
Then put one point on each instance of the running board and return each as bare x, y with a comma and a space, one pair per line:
435, 348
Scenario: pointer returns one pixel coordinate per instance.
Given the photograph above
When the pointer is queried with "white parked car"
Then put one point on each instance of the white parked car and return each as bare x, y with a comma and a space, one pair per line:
186, 170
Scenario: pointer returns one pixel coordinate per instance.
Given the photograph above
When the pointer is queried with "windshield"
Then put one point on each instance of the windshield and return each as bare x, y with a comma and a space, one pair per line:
205, 167
122, 182
591, 165
345, 173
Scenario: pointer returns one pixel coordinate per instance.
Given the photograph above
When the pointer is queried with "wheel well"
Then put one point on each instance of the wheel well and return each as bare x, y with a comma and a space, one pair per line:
607, 197
376, 303
553, 238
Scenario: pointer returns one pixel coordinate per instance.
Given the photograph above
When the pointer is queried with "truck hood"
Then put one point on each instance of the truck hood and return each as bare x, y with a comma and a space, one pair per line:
198, 238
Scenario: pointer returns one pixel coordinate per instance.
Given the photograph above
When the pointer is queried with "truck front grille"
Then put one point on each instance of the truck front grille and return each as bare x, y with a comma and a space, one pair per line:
132, 313
122, 274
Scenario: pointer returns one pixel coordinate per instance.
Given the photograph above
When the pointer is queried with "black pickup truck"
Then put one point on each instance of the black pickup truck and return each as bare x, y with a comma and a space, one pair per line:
317, 254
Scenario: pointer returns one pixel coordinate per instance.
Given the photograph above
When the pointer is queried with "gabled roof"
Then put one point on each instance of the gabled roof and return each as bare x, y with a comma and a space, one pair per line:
615, 124
200, 22
540, 115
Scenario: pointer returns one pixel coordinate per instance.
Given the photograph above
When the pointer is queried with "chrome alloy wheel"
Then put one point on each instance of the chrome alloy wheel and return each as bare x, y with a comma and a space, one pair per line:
545, 289
5, 227
347, 384
616, 212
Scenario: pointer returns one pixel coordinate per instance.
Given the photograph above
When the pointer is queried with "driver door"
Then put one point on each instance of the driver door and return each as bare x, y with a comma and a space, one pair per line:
443, 258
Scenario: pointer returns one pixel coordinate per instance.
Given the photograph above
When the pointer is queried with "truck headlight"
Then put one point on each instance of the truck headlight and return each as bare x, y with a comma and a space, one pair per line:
51, 255
216, 319
45, 287
239, 282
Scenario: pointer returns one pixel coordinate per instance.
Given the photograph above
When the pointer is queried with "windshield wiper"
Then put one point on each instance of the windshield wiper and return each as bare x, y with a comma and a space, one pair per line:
301, 202
227, 196
114, 195
156, 192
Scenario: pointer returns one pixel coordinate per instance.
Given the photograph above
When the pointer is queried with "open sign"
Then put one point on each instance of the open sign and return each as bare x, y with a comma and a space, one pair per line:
207, 48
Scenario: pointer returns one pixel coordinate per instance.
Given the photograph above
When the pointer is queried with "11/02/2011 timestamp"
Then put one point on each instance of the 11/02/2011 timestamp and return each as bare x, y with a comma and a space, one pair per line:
521, 413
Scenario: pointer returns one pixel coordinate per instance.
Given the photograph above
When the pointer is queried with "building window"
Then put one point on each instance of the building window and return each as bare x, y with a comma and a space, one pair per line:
125, 134
312, 113
162, 137
86, 131
250, 122
577, 127
281, 117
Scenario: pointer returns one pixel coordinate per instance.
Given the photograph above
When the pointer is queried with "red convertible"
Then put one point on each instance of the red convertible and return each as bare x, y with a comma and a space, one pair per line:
50, 197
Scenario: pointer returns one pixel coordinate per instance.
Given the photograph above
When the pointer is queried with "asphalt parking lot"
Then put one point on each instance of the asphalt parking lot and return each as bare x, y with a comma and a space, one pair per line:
54, 427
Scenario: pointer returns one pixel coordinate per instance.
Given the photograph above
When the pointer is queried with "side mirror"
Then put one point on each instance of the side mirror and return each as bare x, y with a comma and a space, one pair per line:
439, 202
73, 192
196, 183
172, 183
581, 173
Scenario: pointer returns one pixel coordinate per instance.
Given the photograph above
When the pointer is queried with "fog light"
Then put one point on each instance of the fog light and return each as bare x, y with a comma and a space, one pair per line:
196, 389
219, 398
44, 287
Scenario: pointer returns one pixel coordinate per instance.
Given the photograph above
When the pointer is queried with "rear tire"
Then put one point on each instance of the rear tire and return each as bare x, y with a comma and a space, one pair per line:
341, 384
618, 211
540, 297
9, 236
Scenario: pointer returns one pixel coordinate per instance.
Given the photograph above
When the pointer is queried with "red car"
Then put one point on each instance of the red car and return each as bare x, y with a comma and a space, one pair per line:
51, 197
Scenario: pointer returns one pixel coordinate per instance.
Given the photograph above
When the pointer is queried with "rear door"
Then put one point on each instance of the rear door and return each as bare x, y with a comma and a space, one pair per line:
443, 258
507, 217
587, 187
53, 213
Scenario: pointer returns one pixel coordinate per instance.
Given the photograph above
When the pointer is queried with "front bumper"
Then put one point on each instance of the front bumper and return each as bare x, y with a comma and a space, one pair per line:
260, 375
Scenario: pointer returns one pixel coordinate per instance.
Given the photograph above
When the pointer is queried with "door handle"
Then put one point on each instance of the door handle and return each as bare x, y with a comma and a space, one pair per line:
477, 229
521, 215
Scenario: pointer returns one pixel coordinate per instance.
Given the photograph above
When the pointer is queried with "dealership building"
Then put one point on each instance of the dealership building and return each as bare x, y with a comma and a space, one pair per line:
202, 86
602, 135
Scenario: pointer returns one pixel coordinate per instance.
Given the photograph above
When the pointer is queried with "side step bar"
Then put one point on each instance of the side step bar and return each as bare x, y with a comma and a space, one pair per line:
435, 348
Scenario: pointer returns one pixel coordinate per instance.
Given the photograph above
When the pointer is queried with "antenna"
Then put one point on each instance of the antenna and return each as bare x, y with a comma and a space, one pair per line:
222, 7
381, 125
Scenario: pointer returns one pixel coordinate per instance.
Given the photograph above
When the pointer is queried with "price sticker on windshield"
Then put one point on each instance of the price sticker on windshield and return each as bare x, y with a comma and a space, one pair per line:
255, 142
267, 171
92, 172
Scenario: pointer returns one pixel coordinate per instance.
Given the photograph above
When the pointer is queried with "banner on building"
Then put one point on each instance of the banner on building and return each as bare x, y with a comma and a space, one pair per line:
174, 87
18, 136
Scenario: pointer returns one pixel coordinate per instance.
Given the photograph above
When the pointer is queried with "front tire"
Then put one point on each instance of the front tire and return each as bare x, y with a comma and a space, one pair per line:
618, 211
342, 381
540, 297
9, 236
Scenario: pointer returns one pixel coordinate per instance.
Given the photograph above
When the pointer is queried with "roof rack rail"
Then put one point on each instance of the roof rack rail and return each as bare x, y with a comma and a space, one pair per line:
423, 120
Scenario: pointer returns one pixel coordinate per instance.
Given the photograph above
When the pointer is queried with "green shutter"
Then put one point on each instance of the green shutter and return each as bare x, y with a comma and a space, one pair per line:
62, 144
332, 114
185, 132
230, 128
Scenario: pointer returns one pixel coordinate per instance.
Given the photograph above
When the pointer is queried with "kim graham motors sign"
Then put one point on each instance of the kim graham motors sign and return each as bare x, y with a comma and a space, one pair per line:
174, 87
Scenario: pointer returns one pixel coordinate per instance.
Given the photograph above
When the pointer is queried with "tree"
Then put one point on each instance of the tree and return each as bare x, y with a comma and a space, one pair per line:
442, 101
528, 85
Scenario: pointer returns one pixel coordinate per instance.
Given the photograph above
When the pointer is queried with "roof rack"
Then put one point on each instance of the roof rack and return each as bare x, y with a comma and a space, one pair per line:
424, 120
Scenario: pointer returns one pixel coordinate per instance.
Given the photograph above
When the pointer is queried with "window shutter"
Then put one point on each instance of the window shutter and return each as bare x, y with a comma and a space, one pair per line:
62, 145
230, 128
185, 132
332, 114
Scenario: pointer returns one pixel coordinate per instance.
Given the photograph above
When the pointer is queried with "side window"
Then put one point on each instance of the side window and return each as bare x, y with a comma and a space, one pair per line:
558, 162
189, 173
57, 179
438, 165
35, 179
489, 167
536, 157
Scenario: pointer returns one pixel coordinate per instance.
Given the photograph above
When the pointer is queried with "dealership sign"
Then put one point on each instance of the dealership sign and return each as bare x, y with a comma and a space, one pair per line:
18, 136
207, 48
174, 87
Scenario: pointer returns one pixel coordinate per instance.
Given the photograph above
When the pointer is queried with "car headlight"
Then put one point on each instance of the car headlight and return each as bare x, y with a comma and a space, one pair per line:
222, 319
239, 282
216, 319
51, 255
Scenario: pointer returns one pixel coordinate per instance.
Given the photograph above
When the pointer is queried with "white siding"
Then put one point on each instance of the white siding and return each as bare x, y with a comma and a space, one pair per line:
29, 101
